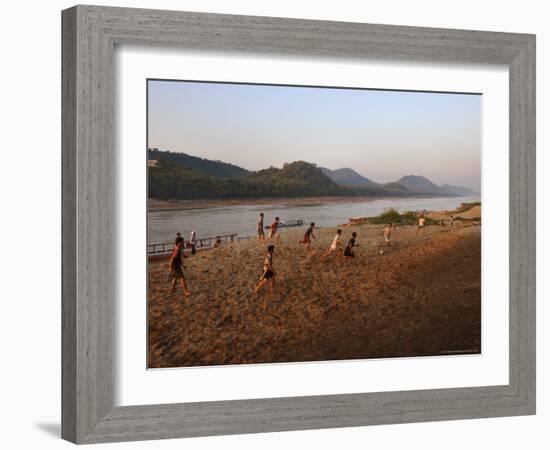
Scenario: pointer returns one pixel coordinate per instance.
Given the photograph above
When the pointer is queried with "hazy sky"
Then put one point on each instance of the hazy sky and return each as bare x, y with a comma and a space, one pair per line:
383, 135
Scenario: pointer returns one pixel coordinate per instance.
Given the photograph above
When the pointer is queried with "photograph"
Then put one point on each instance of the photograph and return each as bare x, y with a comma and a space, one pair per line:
293, 223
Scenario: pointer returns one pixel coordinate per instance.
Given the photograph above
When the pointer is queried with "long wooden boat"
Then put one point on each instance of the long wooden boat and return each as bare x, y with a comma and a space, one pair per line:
288, 223
356, 221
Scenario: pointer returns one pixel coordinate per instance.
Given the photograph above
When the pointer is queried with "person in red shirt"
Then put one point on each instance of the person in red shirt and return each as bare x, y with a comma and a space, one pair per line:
308, 235
273, 230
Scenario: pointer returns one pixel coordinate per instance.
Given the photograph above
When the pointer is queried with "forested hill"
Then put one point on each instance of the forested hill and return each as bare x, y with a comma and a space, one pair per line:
205, 166
170, 180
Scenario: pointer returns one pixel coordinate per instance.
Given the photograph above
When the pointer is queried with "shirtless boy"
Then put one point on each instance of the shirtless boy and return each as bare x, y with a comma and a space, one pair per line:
387, 233
260, 228
268, 273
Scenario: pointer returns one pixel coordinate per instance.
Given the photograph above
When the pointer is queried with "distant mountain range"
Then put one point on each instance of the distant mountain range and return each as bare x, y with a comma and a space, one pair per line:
459, 190
182, 176
347, 177
413, 184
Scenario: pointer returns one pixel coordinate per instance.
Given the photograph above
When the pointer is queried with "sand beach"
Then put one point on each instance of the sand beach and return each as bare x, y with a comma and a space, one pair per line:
419, 296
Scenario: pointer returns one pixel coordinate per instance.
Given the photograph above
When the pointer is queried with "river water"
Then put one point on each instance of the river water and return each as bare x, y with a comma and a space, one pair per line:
242, 219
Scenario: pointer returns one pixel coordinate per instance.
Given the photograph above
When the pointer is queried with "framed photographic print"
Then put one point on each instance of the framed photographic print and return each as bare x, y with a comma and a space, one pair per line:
278, 224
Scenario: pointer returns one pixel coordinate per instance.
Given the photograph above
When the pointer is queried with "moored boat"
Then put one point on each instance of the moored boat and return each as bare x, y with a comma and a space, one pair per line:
356, 221
288, 223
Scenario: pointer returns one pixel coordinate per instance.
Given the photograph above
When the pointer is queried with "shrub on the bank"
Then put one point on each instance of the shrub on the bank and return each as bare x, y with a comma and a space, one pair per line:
391, 215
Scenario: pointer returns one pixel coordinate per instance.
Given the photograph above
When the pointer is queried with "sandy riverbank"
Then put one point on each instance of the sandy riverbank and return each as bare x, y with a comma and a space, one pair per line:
421, 297
473, 213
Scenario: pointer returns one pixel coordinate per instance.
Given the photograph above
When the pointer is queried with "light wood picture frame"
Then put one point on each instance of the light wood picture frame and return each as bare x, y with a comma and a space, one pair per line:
90, 34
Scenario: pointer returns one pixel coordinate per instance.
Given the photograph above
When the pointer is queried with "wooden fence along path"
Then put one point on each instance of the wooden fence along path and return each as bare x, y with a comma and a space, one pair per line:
163, 249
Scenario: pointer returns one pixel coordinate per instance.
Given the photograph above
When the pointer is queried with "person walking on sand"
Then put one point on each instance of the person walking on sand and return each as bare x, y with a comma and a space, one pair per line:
273, 230
387, 233
348, 252
193, 242
421, 223
451, 220
176, 267
307, 237
268, 273
260, 229
335, 246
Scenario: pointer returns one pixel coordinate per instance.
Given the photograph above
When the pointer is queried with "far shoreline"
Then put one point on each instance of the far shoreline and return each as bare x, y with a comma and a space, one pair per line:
156, 205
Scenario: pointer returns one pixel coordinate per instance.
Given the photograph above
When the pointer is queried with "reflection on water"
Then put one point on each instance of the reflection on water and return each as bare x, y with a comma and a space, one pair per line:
242, 219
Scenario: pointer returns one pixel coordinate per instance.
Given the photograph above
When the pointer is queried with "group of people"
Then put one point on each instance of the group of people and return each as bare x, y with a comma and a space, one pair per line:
273, 229
267, 277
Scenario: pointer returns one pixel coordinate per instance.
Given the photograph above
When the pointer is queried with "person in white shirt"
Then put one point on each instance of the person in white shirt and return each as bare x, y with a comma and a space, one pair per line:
387, 232
421, 223
193, 242
335, 246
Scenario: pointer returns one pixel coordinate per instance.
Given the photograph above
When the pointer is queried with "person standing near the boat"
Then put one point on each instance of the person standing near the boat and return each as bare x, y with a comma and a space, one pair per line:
268, 273
308, 235
260, 228
273, 230
193, 242
335, 247
176, 267
348, 252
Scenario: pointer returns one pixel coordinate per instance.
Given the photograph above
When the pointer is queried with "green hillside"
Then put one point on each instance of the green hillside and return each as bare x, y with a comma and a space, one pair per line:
298, 179
204, 166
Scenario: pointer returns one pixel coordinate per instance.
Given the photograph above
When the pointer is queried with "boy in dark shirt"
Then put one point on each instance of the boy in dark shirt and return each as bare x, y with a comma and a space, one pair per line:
176, 267
349, 247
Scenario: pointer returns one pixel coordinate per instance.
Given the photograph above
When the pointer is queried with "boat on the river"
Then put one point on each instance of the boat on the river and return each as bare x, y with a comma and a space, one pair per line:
356, 221
288, 223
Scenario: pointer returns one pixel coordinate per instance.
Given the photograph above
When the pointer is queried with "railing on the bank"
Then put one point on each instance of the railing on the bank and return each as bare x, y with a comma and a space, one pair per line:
202, 243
